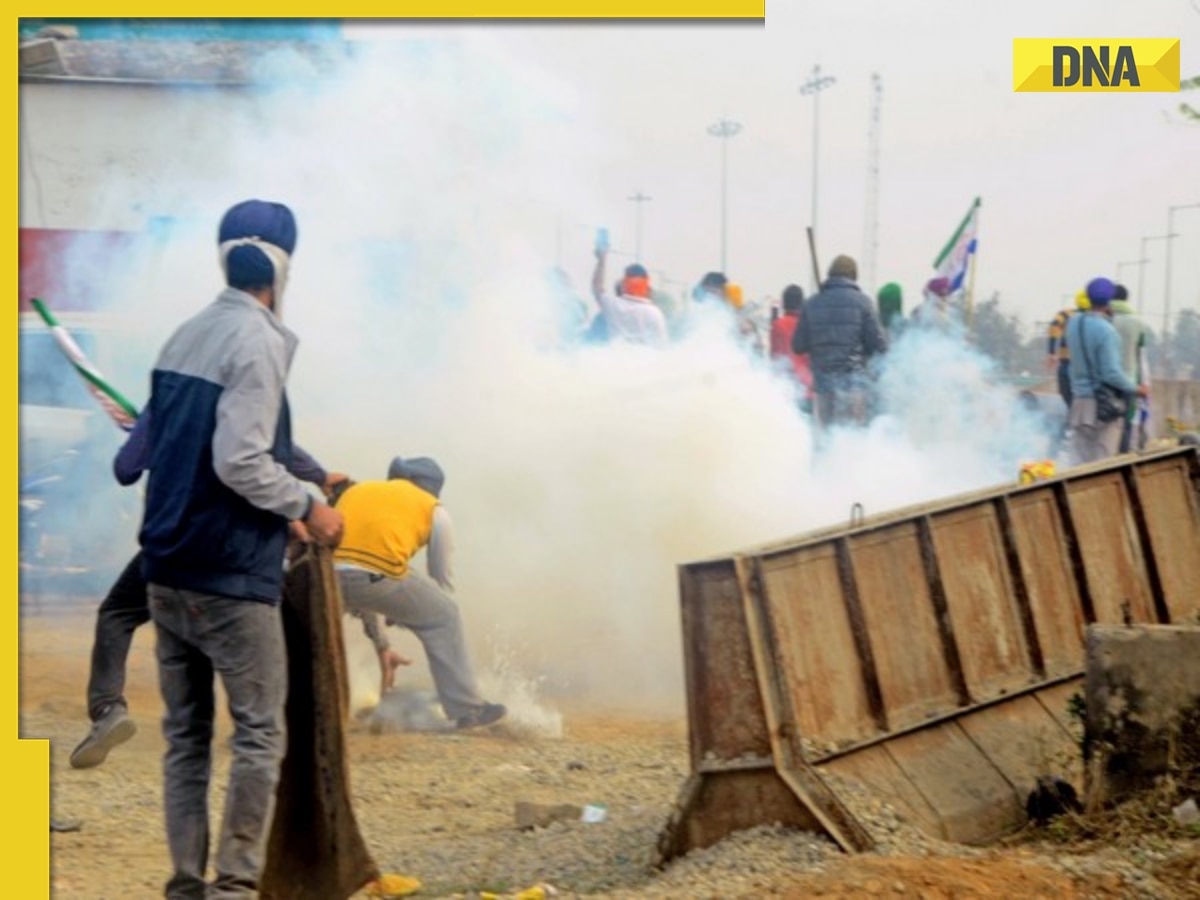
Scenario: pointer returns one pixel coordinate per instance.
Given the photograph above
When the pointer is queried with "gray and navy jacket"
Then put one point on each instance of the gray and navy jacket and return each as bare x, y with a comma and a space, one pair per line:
219, 494
133, 458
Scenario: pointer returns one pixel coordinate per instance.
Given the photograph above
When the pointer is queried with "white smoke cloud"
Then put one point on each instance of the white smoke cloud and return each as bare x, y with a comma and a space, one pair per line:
426, 181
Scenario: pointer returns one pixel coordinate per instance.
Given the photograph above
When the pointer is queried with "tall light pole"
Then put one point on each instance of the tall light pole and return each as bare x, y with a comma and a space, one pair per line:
724, 129
1142, 262
1167, 273
814, 86
871, 238
639, 198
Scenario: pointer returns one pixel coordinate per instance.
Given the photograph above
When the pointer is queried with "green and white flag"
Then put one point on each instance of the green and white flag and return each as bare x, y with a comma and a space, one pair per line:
110, 399
955, 257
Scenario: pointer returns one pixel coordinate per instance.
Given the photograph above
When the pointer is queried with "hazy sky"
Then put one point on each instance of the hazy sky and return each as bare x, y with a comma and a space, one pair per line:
1070, 183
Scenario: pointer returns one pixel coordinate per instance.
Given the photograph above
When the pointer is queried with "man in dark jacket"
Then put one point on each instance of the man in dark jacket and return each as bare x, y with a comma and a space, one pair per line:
840, 332
214, 533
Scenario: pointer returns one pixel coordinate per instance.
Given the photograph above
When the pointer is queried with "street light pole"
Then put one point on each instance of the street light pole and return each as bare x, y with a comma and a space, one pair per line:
814, 86
1167, 273
639, 198
724, 129
1142, 262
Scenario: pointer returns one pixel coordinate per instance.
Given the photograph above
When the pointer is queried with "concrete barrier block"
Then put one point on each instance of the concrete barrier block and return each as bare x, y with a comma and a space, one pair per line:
1143, 706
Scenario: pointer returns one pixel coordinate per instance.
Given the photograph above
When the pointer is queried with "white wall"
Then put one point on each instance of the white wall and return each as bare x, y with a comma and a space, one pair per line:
112, 156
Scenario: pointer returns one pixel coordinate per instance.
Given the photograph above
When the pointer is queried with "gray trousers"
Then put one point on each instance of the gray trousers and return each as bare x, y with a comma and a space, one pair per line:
242, 641
841, 399
418, 604
842, 408
1091, 439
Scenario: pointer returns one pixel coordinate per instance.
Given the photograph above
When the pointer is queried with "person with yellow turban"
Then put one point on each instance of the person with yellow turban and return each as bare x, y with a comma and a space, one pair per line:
1058, 357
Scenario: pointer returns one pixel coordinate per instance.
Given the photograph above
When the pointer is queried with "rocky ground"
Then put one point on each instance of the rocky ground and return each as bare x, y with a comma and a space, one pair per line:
441, 807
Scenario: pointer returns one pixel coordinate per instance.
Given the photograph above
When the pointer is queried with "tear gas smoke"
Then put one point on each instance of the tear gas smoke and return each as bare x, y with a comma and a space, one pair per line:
578, 477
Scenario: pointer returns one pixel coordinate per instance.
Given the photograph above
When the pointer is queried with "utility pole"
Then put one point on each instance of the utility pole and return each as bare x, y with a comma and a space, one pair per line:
1167, 272
639, 198
871, 217
1141, 297
724, 129
814, 86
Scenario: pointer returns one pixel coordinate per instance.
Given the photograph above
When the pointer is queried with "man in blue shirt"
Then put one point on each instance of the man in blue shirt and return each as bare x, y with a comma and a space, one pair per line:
1096, 362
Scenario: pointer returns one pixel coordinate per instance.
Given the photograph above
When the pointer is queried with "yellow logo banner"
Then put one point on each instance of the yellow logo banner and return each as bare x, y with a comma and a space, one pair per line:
1095, 64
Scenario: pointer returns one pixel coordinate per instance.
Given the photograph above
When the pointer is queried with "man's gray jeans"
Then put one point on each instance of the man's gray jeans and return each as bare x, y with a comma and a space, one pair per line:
1091, 439
242, 641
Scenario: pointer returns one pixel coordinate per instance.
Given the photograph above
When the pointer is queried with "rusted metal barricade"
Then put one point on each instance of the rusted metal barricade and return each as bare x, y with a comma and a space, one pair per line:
929, 654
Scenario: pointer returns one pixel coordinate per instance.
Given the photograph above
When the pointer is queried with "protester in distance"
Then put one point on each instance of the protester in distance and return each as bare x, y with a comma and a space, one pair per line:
797, 364
840, 332
747, 328
711, 288
936, 311
1058, 355
629, 312
1135, 335
1095, 373
890, 301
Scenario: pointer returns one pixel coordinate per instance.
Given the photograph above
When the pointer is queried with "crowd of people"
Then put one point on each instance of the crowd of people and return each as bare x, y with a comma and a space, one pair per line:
828, 345
831, 343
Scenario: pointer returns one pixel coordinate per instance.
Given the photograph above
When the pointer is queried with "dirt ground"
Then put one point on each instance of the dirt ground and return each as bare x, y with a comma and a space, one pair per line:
440, 807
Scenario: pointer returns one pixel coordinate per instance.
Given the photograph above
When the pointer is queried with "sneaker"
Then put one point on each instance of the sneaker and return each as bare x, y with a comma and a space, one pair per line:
482, 715
113, 728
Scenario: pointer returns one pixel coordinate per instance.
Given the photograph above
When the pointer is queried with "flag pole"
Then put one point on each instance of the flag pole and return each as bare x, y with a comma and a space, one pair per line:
812, 252
973, 261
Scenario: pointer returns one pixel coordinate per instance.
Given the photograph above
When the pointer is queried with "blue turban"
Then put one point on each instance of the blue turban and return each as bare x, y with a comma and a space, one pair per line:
1101, 291
271, 222
256, 239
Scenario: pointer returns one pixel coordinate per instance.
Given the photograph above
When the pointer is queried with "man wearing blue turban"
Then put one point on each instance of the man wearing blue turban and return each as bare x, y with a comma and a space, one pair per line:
218, 502
1096, 374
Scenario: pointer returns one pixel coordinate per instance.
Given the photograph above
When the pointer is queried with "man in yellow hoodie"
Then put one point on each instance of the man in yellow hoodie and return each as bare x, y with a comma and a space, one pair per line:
386, 524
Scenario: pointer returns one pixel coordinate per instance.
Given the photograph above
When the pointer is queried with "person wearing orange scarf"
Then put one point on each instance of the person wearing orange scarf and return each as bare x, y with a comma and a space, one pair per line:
629, 312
